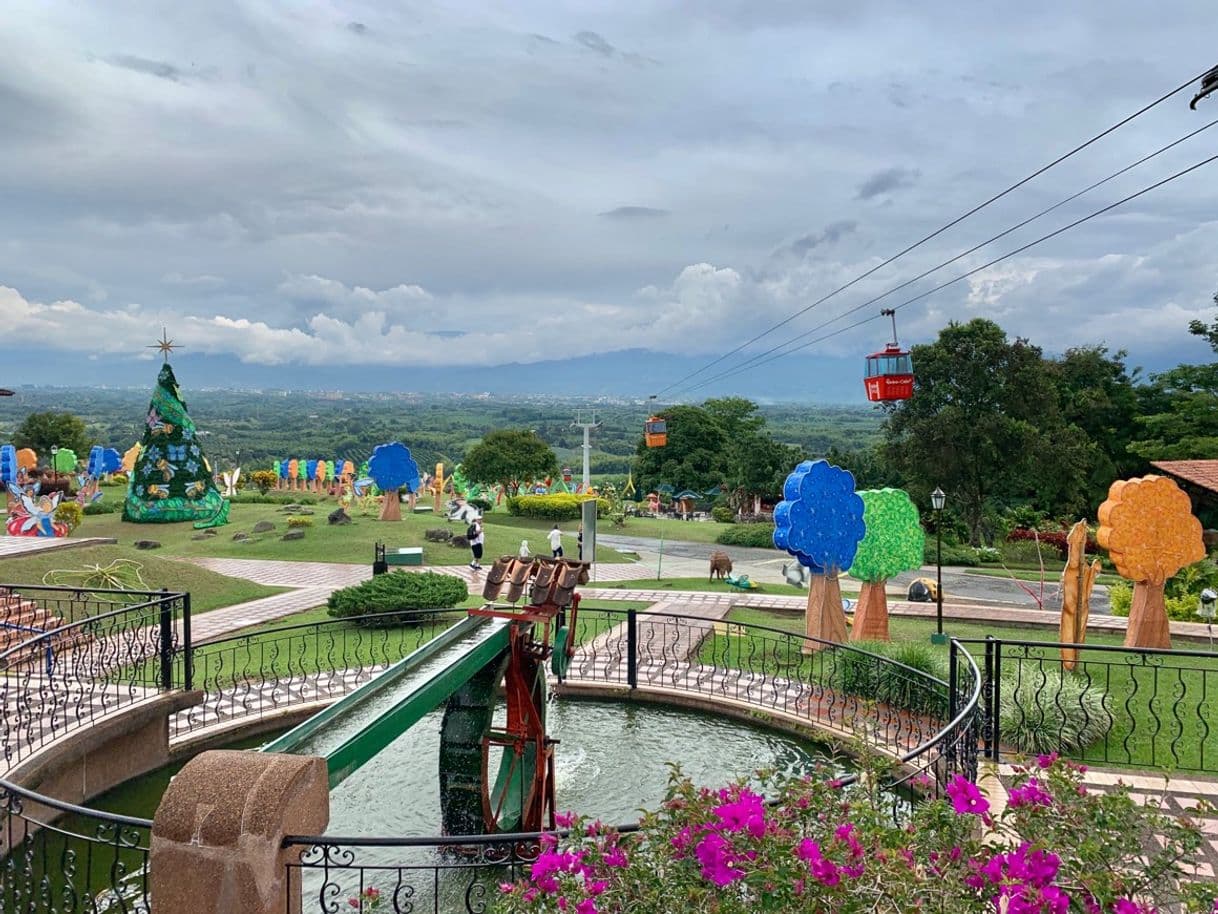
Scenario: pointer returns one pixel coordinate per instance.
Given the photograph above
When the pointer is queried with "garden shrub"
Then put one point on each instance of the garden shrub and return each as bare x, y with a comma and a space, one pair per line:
875, 679
1181, 595
69, 513
482, 504
987, 555
103, 506
1051, 541
300, 522
1120, 598
273, 498
760, 536
553, 507
952, 554
1046, 710
263, 480
1025, 552
723, 514
396, 592
437, 535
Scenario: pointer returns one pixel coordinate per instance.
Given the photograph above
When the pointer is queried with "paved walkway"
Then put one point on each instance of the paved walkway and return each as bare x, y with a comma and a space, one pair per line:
20, 546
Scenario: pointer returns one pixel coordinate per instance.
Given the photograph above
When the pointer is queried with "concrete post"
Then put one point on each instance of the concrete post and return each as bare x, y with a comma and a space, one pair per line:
217, 835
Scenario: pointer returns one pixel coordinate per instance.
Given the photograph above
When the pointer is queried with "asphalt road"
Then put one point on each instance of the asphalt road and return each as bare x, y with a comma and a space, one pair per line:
958, 584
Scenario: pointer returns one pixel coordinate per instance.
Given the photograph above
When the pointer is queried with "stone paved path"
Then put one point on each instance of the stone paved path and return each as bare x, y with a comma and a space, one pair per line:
17, 546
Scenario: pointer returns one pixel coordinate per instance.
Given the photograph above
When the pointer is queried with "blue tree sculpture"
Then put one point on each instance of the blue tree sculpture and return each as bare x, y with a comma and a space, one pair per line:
820, 522
391, 467
103, 461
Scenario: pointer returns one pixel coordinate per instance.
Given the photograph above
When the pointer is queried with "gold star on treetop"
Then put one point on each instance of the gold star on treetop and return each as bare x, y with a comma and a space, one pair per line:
164, 345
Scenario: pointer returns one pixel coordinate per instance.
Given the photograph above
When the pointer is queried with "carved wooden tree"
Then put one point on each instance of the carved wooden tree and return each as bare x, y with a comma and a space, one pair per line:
820, 522
1148, 528
391, 466
894, 542
1078, 578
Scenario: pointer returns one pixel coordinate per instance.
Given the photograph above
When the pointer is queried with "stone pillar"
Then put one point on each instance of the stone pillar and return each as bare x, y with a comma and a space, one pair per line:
217, 835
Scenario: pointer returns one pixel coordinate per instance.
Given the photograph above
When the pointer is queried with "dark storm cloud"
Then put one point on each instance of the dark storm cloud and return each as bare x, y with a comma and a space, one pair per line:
888, 180
357, 27
594, 42
831, 233
634, 213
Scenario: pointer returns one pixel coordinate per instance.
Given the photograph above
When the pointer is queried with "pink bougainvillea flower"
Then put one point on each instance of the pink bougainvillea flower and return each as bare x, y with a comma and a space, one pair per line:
587, 906
745, 813
823, 870
967, 798
564, 819
716, 856
1029, 794
1047, 760
615, 857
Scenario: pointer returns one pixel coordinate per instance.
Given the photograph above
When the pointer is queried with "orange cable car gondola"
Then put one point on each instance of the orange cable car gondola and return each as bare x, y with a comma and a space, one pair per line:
890, 372
655, 432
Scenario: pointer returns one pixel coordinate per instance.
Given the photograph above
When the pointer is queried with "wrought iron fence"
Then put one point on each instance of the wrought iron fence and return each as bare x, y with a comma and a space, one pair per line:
101, 650
930, 724
262, 673
59, 858
1111, 705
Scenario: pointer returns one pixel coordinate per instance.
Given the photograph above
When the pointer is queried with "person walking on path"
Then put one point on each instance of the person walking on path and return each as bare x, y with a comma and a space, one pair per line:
555, 537
476, 539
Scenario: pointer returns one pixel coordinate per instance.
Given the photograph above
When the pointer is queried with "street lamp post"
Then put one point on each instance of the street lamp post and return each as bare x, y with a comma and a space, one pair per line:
1209, 599
938, 499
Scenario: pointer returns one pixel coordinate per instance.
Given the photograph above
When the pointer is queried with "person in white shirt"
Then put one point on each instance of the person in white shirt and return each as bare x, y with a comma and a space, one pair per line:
555, 537
475, 542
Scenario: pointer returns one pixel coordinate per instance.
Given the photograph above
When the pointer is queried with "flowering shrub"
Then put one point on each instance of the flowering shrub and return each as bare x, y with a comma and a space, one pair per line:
367, 900
822, 847
1055, 539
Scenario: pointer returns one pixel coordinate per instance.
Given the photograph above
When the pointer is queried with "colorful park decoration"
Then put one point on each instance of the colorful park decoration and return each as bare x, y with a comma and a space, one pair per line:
894, 542
1078, 579
9, 468
820, 522
31, 514
129, 457
102, 461
171, 481
64, 460
391, 467
27, 459
1147, 526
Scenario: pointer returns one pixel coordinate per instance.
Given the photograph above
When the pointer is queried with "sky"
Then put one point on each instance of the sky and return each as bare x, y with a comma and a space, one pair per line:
417, 192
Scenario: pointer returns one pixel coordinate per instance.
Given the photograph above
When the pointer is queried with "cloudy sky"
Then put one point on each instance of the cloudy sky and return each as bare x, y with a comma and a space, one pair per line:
420, 185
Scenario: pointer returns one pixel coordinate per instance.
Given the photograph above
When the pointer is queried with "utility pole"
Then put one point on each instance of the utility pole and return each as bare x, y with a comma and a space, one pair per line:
588, 428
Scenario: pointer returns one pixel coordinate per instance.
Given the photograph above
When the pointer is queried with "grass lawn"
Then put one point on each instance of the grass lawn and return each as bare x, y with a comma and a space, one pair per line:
1052, 574
1159, 710
323, 543
652, 527
208, 590
701, 585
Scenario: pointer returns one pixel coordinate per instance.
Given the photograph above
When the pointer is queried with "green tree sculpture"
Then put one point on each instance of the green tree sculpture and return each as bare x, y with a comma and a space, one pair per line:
171, 480
894, 542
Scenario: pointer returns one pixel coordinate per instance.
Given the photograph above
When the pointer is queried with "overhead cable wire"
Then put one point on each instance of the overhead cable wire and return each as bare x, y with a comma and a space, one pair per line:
953, 281
946, 263
932, 235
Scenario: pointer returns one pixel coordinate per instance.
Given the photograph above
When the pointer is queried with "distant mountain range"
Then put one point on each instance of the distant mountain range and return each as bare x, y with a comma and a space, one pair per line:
630, 374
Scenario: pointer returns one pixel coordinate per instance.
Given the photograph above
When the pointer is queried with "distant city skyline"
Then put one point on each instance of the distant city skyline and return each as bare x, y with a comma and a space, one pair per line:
545, 197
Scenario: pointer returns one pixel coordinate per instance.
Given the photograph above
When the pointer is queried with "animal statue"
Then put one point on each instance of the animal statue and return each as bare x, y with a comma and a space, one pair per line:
720, 565
795, 575
461, 510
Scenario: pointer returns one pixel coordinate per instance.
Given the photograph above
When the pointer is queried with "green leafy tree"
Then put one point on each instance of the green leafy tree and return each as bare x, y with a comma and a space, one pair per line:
509, 457
42, 431
894, 541
985, 423
695, 456
1179, 408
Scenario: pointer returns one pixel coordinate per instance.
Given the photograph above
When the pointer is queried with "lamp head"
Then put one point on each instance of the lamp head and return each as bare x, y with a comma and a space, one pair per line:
938, 499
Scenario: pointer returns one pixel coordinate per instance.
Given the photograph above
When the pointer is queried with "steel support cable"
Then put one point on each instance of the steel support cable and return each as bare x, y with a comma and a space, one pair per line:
934, 234
953, 281
946, 263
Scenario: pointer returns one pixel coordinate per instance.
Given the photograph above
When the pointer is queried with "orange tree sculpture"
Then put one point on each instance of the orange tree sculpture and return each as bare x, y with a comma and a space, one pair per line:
1149, 530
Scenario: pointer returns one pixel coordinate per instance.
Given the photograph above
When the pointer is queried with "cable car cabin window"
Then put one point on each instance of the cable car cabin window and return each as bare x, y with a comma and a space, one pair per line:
656, 428
905, 365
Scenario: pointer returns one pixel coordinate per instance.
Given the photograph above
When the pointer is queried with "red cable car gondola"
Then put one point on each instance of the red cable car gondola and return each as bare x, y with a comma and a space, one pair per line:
889, 373
655, 432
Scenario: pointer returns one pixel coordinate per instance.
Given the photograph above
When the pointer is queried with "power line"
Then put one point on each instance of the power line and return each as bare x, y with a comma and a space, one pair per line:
1044, 212
953, 281
935, 233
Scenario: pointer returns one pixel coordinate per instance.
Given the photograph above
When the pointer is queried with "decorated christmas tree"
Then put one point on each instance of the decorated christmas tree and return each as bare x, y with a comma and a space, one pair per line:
171, 480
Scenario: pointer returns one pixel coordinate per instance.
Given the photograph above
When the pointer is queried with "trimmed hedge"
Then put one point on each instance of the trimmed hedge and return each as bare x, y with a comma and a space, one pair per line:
760, 536
395, 592
104, 506
273, 498
723, 515
552, 507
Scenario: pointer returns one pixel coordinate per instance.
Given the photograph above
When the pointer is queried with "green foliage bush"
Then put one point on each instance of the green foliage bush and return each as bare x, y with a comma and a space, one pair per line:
952, 554
70, 513
1025, 552
552, 507
873, 678
300, 522
1120, 598
395, 592
482, 504
103, 506
273, 498
1182, 608
723, 514
760, 536
1044, 710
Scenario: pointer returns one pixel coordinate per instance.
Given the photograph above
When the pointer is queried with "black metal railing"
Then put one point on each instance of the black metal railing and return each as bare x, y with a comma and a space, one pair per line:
59, 858
930, 725
101, 651
1140, 707
262, 673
